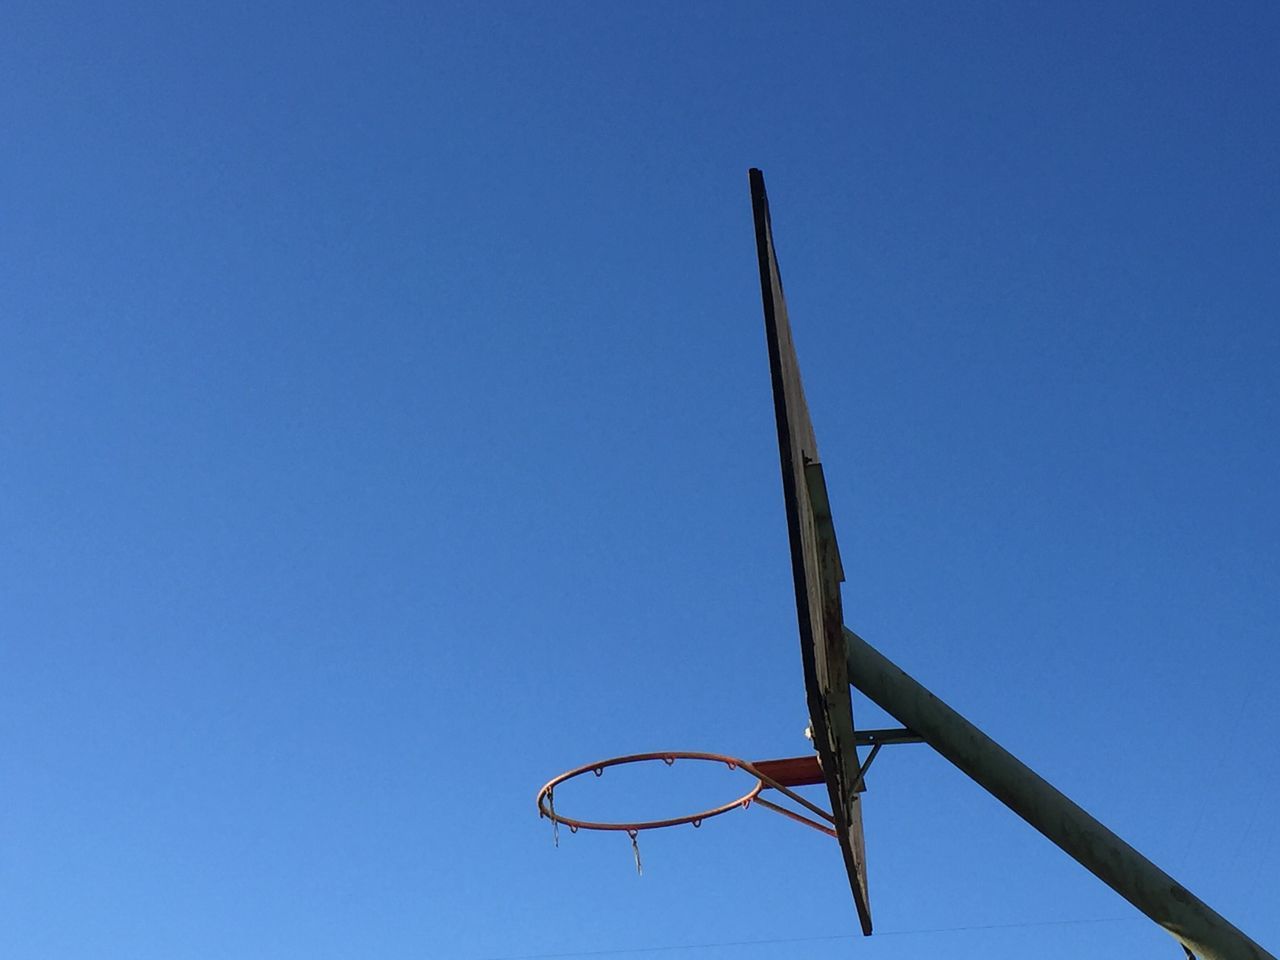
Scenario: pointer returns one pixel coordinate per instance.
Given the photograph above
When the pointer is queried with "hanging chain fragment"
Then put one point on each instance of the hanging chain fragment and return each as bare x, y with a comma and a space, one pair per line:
635, 849
555, 824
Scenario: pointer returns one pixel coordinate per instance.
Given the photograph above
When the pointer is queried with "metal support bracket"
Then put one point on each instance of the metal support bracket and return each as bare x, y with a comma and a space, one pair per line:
859, 782
876, 738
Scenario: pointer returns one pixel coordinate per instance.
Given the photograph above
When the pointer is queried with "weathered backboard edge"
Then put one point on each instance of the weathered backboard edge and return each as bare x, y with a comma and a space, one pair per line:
816, 567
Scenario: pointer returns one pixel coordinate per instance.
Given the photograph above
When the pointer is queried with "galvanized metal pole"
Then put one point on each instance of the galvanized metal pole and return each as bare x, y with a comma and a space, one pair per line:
1097, 849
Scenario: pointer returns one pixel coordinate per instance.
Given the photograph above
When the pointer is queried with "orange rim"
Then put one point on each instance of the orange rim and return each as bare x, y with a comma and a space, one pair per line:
546, 800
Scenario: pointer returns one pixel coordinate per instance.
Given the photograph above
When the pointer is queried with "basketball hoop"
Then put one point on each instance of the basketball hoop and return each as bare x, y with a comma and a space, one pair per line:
777, 775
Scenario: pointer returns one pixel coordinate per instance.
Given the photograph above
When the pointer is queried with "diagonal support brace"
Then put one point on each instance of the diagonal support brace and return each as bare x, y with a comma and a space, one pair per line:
1197, 927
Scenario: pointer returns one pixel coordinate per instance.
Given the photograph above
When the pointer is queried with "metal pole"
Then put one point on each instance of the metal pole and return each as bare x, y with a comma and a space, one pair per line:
1097, 849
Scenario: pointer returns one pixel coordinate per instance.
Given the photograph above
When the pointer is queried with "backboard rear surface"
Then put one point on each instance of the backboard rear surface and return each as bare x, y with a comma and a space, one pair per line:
815, 563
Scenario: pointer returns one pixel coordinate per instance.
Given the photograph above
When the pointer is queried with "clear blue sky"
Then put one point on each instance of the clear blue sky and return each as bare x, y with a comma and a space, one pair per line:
385, 427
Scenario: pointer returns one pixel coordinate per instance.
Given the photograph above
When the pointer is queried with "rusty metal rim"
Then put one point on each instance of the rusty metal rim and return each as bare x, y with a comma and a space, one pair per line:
546, 799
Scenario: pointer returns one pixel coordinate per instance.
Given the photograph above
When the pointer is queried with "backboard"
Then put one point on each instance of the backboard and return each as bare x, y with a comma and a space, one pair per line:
816, 568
